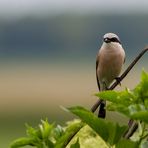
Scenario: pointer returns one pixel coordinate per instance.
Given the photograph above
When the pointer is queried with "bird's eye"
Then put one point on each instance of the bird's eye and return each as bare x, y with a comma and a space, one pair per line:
114, 39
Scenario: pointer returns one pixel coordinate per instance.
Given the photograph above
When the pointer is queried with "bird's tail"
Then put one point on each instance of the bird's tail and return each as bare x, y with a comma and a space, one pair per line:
102, 111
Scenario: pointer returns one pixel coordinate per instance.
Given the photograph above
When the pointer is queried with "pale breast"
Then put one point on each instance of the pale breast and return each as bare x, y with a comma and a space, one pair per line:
110, 64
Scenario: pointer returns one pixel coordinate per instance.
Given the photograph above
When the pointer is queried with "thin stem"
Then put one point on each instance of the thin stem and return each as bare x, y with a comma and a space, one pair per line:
144, 137
67, 141
133, 127
96, 105
143, 131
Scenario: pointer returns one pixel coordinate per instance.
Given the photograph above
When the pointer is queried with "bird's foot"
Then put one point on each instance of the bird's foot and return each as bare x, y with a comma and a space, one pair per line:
118, 79
106, 88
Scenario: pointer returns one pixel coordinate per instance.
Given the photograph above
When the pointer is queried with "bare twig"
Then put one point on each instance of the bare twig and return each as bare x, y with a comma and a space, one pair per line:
96, 105
133, 127
129, 68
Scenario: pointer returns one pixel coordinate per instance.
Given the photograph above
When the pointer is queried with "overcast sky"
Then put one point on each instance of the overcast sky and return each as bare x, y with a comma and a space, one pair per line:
23, 7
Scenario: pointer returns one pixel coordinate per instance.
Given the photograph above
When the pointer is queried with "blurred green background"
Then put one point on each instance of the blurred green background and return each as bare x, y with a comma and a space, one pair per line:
47, 56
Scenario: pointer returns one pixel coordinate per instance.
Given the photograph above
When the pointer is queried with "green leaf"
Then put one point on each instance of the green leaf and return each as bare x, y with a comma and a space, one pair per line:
108, 95
144, 144
123, 98
136, 108
57, 132
49, 144
141, 90
22, 142
144, 81
38, 137
110, 132
45, 129
71, 130
33, 132
127, 143
115, 132
75, 145
95, 123
141, 115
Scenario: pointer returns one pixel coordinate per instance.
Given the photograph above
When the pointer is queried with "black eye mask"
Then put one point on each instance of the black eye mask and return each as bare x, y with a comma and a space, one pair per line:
114, 39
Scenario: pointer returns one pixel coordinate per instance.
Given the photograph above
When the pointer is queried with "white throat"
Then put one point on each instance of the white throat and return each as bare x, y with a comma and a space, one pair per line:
112, 45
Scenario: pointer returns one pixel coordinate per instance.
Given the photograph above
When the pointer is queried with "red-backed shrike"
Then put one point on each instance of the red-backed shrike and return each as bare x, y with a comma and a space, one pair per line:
110, 59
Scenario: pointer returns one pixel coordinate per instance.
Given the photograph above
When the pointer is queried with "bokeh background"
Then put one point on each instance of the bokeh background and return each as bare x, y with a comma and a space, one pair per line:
47, 56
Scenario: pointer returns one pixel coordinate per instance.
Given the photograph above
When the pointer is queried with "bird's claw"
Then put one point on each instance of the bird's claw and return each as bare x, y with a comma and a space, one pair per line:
106, 88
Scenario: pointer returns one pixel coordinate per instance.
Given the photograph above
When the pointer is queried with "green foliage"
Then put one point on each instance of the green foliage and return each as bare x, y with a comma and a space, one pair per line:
132, 103
38, 137
110, 132
91, 131
75, 145
124, 142
22, 142
70, 131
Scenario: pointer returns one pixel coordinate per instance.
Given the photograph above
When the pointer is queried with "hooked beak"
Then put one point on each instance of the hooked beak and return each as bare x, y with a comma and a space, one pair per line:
107, 40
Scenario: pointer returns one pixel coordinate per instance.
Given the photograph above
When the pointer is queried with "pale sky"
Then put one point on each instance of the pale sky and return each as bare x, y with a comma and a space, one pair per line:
25, 7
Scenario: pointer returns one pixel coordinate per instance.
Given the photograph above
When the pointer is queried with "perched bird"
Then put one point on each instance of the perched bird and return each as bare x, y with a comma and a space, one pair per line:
109, 62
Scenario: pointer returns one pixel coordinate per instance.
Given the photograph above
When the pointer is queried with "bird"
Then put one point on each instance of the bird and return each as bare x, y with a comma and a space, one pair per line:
109, 63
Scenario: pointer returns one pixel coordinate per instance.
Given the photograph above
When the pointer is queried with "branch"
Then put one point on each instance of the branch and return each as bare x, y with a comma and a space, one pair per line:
96, 105
129, 68
131, 129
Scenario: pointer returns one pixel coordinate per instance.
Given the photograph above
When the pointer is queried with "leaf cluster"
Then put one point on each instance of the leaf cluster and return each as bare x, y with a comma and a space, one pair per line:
91, 131
132, 103
48, 135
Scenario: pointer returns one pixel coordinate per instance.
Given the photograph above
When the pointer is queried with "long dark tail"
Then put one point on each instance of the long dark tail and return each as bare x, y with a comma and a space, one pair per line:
102, 111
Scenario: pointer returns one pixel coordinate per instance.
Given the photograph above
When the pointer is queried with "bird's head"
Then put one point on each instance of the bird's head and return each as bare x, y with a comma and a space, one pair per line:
111, 38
